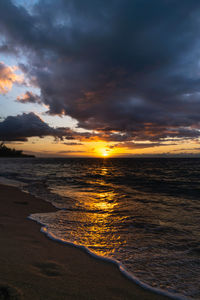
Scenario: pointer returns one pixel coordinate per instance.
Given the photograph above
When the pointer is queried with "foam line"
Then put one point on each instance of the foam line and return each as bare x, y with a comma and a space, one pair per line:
12, 182
122, 269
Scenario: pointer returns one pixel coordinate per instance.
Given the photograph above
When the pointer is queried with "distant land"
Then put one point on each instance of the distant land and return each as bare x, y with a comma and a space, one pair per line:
8, 152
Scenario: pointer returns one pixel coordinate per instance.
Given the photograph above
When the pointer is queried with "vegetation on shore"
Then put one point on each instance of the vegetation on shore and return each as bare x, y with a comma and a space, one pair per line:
8, 152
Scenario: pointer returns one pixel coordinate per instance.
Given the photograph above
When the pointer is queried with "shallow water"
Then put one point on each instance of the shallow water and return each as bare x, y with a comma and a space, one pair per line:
142, 212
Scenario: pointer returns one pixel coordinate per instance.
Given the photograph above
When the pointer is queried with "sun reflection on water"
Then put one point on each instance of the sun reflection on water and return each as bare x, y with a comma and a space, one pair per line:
94, 215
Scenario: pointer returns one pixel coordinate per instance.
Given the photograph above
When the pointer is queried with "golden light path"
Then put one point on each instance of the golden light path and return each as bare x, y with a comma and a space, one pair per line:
95, 219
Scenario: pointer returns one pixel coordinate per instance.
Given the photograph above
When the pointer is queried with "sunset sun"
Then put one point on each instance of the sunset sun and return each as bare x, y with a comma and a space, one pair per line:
105, 154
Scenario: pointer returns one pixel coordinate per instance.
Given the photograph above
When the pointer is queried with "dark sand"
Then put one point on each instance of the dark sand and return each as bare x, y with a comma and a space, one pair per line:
34, 267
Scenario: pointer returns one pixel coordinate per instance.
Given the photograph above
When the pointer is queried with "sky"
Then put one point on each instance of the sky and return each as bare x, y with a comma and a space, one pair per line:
98, 78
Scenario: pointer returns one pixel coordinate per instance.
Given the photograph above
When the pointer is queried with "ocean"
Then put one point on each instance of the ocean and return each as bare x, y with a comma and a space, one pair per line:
142, 212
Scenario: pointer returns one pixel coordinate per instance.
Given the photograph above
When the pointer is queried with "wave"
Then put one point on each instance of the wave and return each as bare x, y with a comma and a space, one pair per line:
122, 269
145, 212
11, 182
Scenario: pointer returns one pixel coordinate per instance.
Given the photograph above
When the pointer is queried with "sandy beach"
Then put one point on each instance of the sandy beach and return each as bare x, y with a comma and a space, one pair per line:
35, 267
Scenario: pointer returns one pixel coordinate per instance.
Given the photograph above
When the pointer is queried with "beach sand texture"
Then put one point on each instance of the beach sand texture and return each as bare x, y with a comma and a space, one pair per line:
35, 267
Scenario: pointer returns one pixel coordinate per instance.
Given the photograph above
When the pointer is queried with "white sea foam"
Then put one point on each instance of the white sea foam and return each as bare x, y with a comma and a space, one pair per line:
11, 182
122, 269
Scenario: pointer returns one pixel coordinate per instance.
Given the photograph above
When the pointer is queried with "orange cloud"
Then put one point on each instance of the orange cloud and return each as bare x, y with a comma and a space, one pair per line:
8, 77
29, 97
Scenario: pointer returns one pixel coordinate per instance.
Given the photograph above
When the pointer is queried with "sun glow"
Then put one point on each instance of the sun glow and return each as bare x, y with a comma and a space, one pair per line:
102, 150
105, 154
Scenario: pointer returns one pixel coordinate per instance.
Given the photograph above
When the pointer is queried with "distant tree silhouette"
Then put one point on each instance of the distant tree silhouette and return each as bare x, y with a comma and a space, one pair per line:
8, 152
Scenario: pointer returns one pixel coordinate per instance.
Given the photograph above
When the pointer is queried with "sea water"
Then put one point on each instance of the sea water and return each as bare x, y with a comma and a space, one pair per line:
143, 213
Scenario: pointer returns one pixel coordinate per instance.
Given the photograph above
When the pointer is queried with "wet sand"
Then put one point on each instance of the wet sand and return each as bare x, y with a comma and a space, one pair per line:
34, 267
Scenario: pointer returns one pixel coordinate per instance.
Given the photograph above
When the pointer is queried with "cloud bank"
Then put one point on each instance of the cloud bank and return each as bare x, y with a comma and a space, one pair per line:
21, 127
29, 97
127, 69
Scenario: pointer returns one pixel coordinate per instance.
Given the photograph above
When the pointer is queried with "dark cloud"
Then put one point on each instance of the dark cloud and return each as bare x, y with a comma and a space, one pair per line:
132, 145
21, 127
71, 151
29, 97
127, 68
7, 49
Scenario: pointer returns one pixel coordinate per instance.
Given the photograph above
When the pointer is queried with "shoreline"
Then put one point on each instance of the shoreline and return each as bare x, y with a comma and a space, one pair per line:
119, 265
52, 270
